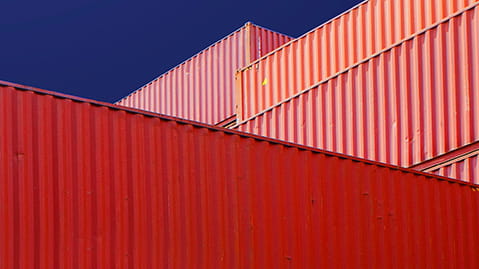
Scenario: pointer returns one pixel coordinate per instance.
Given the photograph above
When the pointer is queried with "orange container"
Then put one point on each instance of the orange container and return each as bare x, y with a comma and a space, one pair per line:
344, 41
408, 104
85, 184
202, 87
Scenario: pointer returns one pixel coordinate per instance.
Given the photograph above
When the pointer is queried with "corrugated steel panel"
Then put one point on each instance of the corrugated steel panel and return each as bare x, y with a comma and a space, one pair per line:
84, 184
406, 105
462, 163
342, 42
202, 88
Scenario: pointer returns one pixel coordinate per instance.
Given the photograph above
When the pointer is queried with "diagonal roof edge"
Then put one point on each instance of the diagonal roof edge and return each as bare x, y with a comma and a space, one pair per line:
230, 131
198, 53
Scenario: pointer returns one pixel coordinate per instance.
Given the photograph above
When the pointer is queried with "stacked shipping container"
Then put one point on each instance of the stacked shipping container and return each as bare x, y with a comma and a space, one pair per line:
89, 185
342, 42
412, 102
202, 88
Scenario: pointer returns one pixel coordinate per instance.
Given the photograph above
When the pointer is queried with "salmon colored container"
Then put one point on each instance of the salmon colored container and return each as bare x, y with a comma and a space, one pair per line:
346, 40
202, 87
84, 184
462, 163
408, 104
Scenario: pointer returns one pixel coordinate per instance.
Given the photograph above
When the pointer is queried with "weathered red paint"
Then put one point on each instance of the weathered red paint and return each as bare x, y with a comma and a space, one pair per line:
85, 184
410, 103
342, 42
202, 87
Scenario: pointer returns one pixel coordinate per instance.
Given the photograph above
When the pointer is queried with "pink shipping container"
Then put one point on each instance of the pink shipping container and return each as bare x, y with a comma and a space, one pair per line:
410, 103
202, 87
339, 44
85, 184
462, 163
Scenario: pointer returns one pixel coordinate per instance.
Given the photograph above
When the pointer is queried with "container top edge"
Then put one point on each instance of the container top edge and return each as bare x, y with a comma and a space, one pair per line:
183, 62
230, 131
197, 55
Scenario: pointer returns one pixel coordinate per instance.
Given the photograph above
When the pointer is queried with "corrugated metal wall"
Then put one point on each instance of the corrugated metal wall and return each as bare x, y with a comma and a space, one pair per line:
202, 88
411, 103
355, 35
84, 185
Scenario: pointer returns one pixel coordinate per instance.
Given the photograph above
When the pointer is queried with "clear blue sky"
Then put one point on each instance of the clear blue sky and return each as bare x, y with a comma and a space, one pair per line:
104, 49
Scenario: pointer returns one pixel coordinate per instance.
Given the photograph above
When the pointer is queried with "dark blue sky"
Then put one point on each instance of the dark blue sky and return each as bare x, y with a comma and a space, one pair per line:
103, 50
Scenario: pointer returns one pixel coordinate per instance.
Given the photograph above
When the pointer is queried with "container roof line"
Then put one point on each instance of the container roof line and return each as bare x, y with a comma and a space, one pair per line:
270, 30
181, 63
230, 131
347, 69
196, 55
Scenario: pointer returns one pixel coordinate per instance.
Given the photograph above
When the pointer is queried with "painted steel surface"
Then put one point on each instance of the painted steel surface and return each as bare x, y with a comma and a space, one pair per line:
202, 87
89, 185
462, 163
413, 102
334, 46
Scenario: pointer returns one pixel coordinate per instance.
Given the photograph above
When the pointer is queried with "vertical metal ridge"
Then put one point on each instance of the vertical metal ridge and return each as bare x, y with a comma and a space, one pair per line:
92, 190
74, 120
5, 232
249, 41
33, 179
55, 176
15, 175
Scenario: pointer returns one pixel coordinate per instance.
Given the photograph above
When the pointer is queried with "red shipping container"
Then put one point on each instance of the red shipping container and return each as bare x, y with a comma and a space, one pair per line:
408, 104
202, 87
462, 163
85, 184
334, 46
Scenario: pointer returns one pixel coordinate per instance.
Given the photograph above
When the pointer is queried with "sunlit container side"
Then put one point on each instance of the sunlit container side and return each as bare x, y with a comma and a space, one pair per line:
462, 163
85, 184
334, 46
202, 87
413, 102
